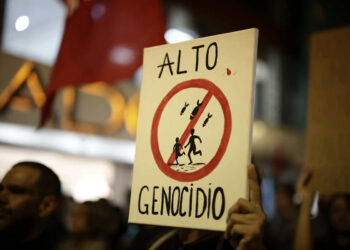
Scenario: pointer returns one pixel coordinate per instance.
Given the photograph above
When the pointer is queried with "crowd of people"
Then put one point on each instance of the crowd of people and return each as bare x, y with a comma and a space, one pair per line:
35, 215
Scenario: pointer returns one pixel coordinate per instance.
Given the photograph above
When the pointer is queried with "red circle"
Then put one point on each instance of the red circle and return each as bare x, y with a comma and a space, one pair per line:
204, 171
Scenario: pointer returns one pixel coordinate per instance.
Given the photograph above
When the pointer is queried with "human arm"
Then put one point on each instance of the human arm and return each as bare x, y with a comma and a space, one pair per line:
246, 219
303, 235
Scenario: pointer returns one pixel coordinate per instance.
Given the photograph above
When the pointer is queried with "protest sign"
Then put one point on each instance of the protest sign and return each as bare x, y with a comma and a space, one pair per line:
328, 129
194, 131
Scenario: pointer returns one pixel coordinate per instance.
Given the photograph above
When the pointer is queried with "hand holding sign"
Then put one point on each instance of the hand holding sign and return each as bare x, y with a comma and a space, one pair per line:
302, 186
246, 219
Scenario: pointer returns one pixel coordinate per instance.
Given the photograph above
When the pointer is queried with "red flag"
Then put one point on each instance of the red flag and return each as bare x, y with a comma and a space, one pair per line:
103, 41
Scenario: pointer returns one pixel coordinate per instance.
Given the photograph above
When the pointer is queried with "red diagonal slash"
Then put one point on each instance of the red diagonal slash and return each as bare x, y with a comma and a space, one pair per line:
191, 125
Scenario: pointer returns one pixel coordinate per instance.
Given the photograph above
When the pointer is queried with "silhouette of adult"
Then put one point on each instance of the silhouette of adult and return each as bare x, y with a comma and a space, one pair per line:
29, 195
192, 143
337, 235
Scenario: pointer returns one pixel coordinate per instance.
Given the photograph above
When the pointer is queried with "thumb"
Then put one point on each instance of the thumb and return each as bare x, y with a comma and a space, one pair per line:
254, 187
304, 179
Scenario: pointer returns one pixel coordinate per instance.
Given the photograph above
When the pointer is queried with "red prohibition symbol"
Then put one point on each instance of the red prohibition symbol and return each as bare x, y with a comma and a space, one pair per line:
213, 91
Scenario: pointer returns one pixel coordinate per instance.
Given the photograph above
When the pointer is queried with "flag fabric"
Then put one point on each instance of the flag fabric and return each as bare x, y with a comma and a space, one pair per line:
103, 40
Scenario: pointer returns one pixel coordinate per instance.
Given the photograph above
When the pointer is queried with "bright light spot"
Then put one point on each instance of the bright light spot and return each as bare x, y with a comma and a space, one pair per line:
259, 130
138, 77
90, 188
22, 23
262, 71
122, 55
175, 36
68, 142
98, 11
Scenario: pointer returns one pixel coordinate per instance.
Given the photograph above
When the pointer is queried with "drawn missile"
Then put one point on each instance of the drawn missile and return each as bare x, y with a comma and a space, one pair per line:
184, 108
195, 110
207, 119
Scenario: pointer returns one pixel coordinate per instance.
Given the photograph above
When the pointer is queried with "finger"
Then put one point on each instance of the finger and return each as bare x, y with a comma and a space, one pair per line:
254, 187
236, 218
241, 206
240, 230
304, 178
243, 219
233, 209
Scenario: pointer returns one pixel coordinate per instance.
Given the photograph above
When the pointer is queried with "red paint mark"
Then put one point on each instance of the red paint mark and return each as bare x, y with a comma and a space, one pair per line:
213, 91
228, 71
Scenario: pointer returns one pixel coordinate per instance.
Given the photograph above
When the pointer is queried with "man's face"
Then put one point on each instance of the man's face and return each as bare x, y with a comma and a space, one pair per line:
19, 198
340, 215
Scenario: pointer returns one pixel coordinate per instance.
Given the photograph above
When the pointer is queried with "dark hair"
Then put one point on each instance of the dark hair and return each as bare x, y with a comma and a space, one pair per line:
336, 196
333, 232
49, 183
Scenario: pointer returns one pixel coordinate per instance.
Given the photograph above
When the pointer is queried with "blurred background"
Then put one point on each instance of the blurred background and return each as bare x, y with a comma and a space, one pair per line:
90, 139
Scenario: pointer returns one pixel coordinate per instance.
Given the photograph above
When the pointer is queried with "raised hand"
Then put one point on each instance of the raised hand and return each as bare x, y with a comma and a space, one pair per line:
301, 186
246, 219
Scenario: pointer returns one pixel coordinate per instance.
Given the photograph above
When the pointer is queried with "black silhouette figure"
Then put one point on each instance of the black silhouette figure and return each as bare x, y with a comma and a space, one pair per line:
207, 119
192, 144
184, 108
177, 149
195, 110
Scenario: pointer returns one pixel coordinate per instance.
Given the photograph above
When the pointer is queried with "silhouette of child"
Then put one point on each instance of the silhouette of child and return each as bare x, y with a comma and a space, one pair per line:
177, 149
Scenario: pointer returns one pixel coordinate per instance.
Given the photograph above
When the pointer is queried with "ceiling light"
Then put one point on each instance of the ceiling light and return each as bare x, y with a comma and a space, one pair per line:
22, 23
173, 35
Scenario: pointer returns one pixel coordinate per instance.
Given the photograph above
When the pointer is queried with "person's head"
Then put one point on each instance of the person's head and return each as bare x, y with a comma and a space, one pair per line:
29, 195
177, 139
192, 131
339, 213
80, 219
91, 219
